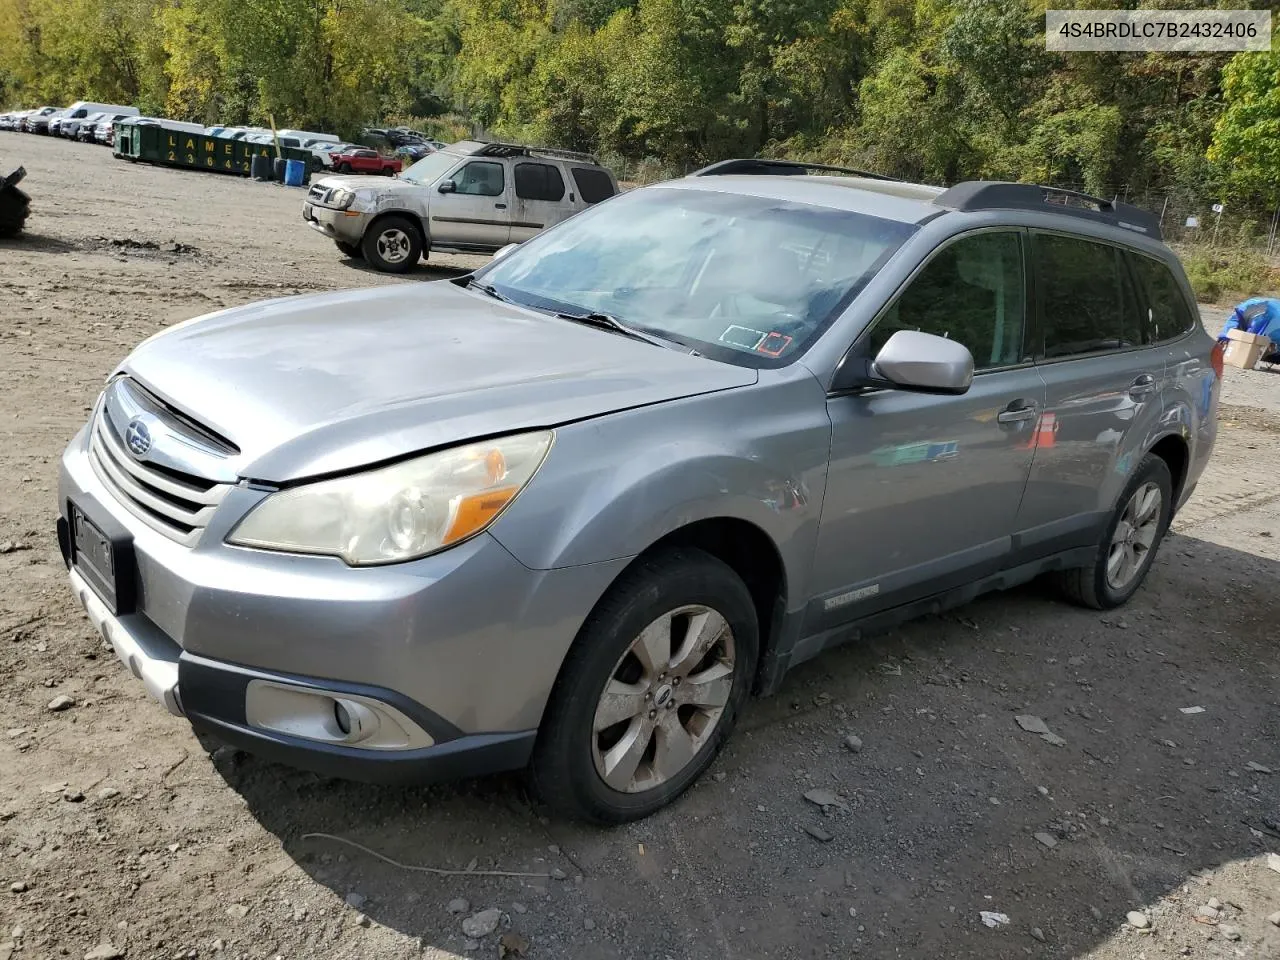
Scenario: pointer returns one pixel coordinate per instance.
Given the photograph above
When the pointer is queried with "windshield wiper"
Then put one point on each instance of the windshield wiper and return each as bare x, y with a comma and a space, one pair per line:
488, 288
608, 321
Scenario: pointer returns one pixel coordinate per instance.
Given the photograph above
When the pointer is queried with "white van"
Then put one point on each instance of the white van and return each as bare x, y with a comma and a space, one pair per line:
82, 108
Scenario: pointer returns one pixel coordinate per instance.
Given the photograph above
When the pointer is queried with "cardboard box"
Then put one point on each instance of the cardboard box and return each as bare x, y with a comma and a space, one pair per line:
1245, 349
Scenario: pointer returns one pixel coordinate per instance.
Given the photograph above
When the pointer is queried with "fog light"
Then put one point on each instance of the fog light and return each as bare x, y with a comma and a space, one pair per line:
330, 717
354, 720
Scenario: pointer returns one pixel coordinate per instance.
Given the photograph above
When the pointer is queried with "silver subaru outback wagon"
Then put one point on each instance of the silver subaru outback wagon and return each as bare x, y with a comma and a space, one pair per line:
569, 511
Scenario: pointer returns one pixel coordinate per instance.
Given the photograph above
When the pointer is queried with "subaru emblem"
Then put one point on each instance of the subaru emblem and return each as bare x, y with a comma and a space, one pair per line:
137, 437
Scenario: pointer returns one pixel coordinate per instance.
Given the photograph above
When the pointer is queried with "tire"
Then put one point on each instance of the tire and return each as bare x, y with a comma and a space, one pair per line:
14, 208
351, 250
570, 753
1092, 586
344, 168
392, 235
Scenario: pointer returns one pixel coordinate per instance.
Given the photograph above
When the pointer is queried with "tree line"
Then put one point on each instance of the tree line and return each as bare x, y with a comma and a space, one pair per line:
933, 90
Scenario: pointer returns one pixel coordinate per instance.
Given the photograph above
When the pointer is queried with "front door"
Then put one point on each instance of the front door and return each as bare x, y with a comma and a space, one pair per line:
539, 201
477, 214
923, 490
1104, 391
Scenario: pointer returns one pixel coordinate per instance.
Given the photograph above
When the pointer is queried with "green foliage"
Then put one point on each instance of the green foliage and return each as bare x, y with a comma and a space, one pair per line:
937, 90
1229, 274
1246, 137
331, 64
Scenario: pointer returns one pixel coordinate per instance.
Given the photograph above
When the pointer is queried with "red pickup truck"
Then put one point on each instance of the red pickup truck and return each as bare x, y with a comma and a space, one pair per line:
365, 161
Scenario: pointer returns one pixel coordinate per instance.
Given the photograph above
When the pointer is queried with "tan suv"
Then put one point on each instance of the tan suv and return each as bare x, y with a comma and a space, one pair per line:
470, 197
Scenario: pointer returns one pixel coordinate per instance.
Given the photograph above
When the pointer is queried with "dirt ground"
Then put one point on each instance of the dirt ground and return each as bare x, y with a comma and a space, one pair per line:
122, 836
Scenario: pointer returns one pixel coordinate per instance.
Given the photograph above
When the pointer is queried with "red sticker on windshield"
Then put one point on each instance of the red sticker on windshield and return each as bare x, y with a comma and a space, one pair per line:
773, 344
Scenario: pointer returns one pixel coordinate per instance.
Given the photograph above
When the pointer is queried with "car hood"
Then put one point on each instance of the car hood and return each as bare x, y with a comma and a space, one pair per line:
312, 385
356, 181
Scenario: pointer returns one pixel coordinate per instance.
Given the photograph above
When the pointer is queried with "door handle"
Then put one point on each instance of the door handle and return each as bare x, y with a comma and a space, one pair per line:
500, 206
1142, 387
1017, 411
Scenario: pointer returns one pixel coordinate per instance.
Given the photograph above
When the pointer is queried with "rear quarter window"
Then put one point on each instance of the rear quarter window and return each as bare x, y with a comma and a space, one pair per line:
1168, 316
594, 184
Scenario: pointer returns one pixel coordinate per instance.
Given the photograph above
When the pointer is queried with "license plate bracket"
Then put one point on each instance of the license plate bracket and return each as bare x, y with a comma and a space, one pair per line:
102, 553
307, 212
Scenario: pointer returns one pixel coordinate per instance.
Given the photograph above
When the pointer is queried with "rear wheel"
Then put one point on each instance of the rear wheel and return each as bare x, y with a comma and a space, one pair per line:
351, 250
392, 244
650, 690
1129, 546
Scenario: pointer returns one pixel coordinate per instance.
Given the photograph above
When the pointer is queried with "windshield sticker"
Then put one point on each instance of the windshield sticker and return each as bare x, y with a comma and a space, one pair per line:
773, 344
743, 337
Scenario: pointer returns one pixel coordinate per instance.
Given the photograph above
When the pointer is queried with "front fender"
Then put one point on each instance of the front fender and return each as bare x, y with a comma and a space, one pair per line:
614, 485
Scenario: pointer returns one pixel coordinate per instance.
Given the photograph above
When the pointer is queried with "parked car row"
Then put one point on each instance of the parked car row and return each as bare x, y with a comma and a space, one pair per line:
96, 123
81, 120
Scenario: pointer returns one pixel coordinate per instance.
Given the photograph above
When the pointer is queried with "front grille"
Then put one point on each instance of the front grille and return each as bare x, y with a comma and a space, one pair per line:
319, 194
172, 502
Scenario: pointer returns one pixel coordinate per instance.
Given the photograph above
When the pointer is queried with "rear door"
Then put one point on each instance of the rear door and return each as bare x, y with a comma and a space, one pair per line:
1173, 329
1103, 391
540, 198
477, 214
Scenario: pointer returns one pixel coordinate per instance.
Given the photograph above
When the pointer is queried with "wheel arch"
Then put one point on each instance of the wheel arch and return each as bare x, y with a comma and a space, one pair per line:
747, 550
405, 214
1173, 449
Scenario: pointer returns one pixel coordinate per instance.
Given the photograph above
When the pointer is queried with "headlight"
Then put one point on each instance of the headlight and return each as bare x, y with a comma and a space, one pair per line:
341, 198
400, 512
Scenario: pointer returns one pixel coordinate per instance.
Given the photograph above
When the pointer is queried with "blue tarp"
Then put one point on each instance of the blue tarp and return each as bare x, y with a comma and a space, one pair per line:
1259, 315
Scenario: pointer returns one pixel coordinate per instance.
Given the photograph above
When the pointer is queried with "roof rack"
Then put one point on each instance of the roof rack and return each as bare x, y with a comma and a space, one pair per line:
496, 149
999, 195
757, 166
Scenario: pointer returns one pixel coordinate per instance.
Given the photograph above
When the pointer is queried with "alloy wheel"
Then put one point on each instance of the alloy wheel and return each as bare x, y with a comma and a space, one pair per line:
664, 699
1134, 535
393, 245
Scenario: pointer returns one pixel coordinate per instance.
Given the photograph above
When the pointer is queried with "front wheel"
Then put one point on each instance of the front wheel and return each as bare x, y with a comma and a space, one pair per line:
1128, 548
393, 245
650, 690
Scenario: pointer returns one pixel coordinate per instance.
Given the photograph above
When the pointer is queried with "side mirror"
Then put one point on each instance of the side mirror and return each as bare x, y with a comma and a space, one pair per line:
447, 186
912, 360
503, 251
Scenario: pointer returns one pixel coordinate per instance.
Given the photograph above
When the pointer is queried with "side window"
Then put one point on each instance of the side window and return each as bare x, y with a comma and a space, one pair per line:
1168, 316
538, 181
971, 291
481, 179
1086, 302
593, 184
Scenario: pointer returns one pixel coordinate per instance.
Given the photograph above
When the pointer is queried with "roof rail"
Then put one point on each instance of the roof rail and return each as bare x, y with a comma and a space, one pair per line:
999, 195
497, 149
757, 166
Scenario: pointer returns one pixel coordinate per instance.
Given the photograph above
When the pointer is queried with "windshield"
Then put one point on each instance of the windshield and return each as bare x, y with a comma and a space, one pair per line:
430, 168
746, 279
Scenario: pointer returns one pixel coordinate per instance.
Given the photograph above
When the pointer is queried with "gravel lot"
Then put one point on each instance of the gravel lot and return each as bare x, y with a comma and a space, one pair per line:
121, 835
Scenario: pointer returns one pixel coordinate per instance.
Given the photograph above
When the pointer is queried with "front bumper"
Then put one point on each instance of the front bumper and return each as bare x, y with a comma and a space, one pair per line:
461, 649
345, 225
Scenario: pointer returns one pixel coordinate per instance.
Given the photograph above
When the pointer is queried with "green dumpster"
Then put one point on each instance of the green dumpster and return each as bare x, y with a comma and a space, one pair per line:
196, 151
